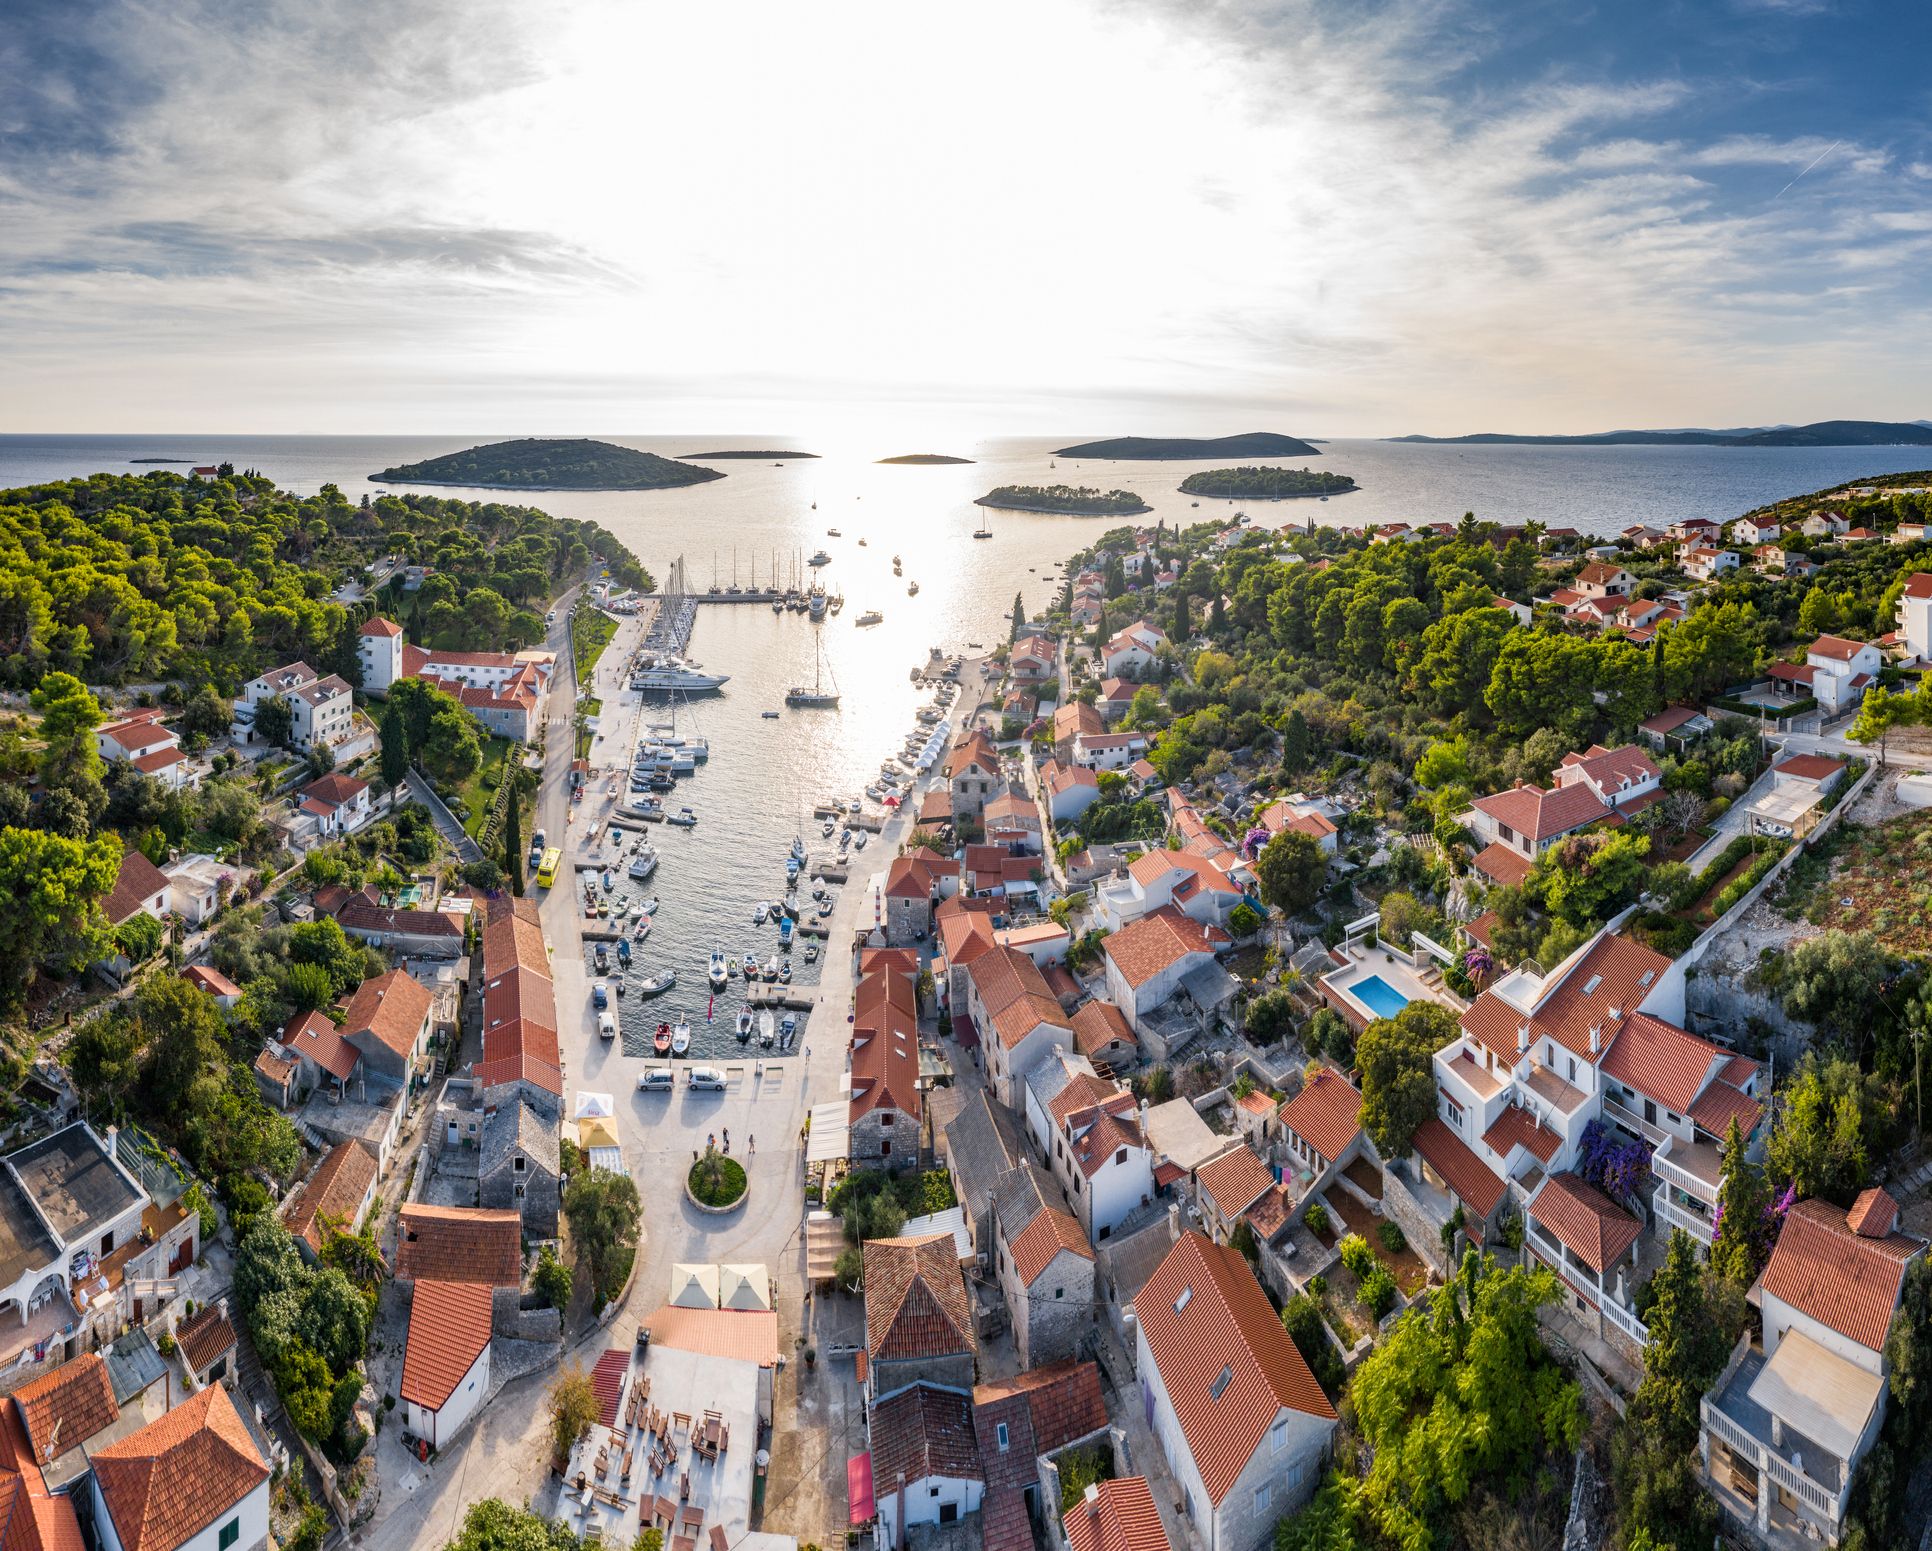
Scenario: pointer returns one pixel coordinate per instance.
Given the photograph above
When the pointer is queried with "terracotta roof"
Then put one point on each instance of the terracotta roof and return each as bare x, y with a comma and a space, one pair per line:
885, 1044
1482, 927
138, 881
380, 626
1541, 814
1034, 1226
314, 1036
159, 759
1326, 1114
974, 751
923, 1432
916, 1303
1792, 672
205, 1337
32, 1518
908, 878
1601, 990
1235, 1180
512, 940
180, 1473
449, 1328
1501, 864
1015, 994
1074, 718
1152, 866
65, 1408
337, 1188
1587, 1221
1516, 1125
1835, 647
1142, 949
737, 1335
460, 1244
336, 788
1919, 584
361, 914
277, 1069
1097, 1024
1661, 1060
1467, 1175
1822, 1267
391, 1007
1809, 767
1600, 571
1121, 1516
137, 735
1873, 1215
1224, 1359
205, 978
1612, 769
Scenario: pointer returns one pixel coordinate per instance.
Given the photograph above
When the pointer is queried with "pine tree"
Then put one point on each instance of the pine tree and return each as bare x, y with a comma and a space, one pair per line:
395, 746
1217, 618
1019, 616
513, 838
1743, 1241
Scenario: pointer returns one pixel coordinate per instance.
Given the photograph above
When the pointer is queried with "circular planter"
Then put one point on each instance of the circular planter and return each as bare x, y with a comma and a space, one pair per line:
704, 1206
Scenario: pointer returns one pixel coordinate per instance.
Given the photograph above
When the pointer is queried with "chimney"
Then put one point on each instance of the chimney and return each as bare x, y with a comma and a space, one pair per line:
1092, 1495
1615, 1014
1174, 1225
1522, 1039
113, 1140
899, 1526
1596, 1036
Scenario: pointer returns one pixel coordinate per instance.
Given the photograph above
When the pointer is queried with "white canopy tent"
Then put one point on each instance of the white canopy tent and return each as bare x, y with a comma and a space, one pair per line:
694, 1287
744, 1287
831, 1132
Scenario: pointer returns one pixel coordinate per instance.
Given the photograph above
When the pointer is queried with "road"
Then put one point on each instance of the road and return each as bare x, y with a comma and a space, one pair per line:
505, 1454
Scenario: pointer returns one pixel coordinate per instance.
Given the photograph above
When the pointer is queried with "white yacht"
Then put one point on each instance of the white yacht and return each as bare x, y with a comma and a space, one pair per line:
820, 693
643, 864
671, 673
816, 603
720, 970
870, 617
820, 558
680, 1036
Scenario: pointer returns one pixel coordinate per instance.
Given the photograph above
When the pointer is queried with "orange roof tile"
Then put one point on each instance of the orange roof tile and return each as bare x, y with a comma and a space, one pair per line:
1326, 1114
1120, 1516
915, 1299
1142, 949
1514, 1126
65, 1408
1467, 1175
1235, 1180
212, 981
1500, 863
741, 1335
460, 1244
1587, 1221
449, 1328
336, 1190
1721, 1103
1662, 1061
1225, 1361
1822, 1267
1097, 1025
391, 1007
205, 1337
138, 880
1041, 1241
180, 1473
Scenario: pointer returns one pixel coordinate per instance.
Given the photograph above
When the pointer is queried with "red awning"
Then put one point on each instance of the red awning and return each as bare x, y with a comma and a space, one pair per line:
858, 1488
964, 1031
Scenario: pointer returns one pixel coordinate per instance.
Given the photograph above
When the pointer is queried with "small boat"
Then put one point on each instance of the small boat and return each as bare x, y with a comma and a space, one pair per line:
618, 989
827, 830
787, 1031
759, 912
859, 844
818, 891
895, 560
811, 953
720, 971
766, 1028
658, 984
785, 973
643, 929
832, 533
798, 847
609, 880
770, 716
684, 818
649, 907
590, 909
824, 908
785, 932
770, 970
861, 543
820, 558
602, 956
744, 1024
750, 966
680, 1036
791, 912
643, 864
603, 908
912, 590
623, 950
661, 1040
870, 617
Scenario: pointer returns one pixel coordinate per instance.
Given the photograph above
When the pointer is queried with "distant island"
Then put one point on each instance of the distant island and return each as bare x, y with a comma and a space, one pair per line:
1252, 444
924, 457
161, 460
1266, 484
1067, 500
747, 455
542, 463
1822, 433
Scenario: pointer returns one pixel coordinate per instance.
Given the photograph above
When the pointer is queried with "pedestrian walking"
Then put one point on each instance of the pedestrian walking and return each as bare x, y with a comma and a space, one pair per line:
751, 1146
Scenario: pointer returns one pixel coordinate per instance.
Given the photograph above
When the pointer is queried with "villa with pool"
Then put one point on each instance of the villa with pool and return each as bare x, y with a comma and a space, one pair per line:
1374, 979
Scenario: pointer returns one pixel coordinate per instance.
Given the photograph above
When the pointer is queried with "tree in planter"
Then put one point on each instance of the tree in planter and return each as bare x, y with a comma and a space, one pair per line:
573, 1409
604, 1213
552, 1281
1316, 1217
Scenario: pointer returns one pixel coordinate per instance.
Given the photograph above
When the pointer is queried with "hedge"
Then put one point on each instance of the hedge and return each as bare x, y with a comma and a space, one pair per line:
1745, 881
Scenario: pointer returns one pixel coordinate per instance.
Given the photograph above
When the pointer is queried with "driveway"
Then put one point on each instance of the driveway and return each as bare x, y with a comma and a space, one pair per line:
1731, 825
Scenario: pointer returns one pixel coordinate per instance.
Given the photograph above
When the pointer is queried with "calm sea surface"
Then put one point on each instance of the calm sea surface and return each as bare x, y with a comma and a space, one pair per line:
764, 776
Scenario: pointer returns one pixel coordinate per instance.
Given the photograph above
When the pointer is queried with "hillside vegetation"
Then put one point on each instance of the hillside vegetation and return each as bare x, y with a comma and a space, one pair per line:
1266, 484
1075, 500
1249, 444
543, 463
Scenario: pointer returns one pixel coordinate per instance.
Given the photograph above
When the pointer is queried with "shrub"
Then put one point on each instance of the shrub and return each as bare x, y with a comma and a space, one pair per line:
717, 1180
1318, 1286
1316, 1217
1393, 1238
1303, 1321
1377, 1292
1357, 1256
1244, 921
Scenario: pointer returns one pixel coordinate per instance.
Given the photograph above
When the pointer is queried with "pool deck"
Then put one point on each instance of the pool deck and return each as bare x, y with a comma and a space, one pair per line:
1395, 973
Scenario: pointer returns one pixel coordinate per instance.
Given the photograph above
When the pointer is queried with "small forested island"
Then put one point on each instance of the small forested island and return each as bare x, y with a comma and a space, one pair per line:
1821, 433
1266, 484
1069, 500
737, 454
548, 463
1249, 444
924, 457
160, 460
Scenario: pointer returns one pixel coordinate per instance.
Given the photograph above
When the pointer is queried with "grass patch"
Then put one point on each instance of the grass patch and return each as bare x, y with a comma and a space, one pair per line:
717, 1180
590, 632
478, 793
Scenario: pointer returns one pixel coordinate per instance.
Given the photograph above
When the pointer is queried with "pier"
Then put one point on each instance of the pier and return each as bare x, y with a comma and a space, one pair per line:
677, 611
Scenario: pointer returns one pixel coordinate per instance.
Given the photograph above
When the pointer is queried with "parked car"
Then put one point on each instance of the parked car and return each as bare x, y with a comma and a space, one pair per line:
599, 995
656, 1079
708, 1077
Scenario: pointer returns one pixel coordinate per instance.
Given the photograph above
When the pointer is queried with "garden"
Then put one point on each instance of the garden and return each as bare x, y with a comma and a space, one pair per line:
717, 1180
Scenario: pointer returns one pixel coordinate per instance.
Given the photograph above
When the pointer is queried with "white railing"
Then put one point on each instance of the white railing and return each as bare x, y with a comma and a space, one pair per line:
1656, 1135
1682, 1178
1623, 1319
1431, 947
1697, 1227
1820, 1498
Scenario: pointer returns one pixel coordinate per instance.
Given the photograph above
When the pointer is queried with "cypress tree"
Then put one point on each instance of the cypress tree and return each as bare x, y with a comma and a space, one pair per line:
513, 837
395, 746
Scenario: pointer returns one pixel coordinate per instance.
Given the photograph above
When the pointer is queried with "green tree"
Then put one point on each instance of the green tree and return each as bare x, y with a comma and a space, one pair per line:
1019, 617
452, 752
1835, 1120
325, 945
1395, 1058
1291, 871
494, 1525
335, 1319
207, 714
572, 1404
604, 1214
552, 1281
104, 1060
1296, 742
307, 987
182, 1033
1908, 1353
1743, 1241
275, 721
513, 836
395, 745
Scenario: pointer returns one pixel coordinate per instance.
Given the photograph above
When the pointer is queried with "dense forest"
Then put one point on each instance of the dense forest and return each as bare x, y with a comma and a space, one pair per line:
545, 463
129, 579
1266, 484
1249, 444
1075, 500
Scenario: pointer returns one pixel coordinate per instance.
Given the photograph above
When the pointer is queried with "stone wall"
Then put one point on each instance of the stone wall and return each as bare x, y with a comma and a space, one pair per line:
511, 1321
1406, 1211
1050, 1317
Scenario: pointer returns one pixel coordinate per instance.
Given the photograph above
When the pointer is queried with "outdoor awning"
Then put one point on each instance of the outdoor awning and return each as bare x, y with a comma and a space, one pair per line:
858, 1488
595, 1133
831, 1131
1817, 1392
594, 1106
744, 1287
694, 1287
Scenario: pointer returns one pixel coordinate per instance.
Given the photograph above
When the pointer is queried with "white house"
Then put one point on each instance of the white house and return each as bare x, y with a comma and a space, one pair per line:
1915, 615
1707, 564
321, 708
925, 1459
1842, 670
141, 741
1147, 960
505, 691
1018, 1018
1619, 777
1304, 818
1245, 1429
1070, 790
1157, 879
1754, 531
1108, 750
1529, 819
197, 885
1601, 579
1133, 649
446, 1358
1822, 524
191, 1480
338, 803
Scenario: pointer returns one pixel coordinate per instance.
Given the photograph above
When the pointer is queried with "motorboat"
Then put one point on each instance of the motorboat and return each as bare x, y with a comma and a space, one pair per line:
642, 865
602, 955
818, 891
720, 970
750, 966
798, 847
787, 1031
603, 908
618, 989
859, 844
870, 617
819, 557
680, 1036
824, 908
785, 973
895, 562
649, 907
659, 983
827, 830
609, 880
642, 929
811, 953
767, 1028
671, 673
790, 908
684, 818
817, 603
861, 543
912, 590
661, 1040
623, 950
770, 716
770, 970
832, 533
759, 912
785, 929
744, 1024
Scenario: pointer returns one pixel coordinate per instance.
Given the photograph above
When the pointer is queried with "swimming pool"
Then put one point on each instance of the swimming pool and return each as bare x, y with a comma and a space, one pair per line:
1377, 995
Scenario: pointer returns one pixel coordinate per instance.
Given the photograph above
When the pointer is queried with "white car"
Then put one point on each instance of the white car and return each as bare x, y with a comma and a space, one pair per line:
707, 1077
657, 1079
607, 1025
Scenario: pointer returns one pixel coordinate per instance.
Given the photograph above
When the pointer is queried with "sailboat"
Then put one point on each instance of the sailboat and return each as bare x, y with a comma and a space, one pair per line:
818, 694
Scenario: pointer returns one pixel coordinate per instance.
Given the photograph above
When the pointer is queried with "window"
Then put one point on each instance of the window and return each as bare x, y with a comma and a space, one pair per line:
1278, 1436
230, 1533
1572, 1069
1120, 1155
885, 1118
999, 1432
1293, 1478
1263, 1497
519, 1163
1059, 1292
884, 1148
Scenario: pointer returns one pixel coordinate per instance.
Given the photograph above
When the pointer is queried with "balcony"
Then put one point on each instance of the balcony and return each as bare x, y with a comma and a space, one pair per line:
1696, 1225
1693, 1167
1630, 1120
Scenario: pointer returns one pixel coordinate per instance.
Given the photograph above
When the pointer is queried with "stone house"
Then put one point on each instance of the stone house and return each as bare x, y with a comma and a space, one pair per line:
1044, 1265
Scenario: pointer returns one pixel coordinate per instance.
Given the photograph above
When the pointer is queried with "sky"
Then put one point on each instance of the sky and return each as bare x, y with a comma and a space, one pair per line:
1016, 216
